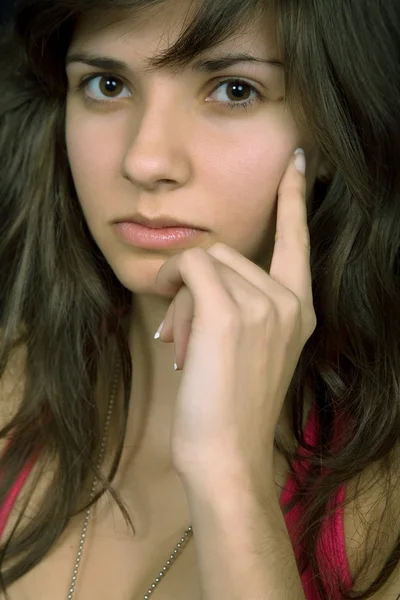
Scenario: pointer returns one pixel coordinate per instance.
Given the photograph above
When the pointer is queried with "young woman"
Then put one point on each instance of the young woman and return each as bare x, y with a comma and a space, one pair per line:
230, 169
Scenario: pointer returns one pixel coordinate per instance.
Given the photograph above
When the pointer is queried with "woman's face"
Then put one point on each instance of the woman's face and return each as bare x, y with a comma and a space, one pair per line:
178, 145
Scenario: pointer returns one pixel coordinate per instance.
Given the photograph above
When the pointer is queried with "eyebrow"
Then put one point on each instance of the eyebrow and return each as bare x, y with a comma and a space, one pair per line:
211, 65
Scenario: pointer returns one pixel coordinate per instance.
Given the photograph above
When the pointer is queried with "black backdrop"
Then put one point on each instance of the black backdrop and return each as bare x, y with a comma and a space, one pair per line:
5, 10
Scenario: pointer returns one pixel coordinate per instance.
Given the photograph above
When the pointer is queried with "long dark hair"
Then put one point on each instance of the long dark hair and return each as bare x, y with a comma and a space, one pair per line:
57, 291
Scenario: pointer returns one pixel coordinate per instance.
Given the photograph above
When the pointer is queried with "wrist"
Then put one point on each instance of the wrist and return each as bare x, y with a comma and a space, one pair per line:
231, 479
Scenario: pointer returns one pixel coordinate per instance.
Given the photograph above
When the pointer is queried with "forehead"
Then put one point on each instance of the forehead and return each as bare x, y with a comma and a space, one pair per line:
152, 30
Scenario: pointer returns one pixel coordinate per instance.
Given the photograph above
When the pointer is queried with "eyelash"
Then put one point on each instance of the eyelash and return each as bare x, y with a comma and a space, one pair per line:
246, 104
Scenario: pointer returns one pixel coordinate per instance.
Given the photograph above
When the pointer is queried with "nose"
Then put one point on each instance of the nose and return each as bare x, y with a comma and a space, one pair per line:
157, 150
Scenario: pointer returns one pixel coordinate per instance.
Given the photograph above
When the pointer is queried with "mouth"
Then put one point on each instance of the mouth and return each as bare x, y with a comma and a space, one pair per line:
173, 236
158, 222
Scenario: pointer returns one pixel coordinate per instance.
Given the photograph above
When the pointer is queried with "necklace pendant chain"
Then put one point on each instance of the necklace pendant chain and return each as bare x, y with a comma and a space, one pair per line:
179, 546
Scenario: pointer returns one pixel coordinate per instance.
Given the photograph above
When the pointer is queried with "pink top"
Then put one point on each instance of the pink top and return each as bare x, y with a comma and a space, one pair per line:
331, 543
331, 549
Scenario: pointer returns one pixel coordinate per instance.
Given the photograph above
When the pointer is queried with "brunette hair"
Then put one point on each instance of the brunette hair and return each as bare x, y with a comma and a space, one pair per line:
342, 82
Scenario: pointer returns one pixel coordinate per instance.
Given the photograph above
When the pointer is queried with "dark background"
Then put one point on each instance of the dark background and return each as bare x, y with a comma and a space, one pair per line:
5, 10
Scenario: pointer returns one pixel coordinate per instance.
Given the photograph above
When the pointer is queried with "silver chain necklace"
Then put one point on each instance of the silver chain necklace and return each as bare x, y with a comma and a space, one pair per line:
179, 546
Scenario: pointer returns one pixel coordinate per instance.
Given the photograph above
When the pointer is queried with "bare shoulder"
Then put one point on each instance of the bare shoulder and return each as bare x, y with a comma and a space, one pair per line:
372, 528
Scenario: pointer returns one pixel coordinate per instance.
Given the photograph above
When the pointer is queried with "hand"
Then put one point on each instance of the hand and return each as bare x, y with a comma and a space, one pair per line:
238, 333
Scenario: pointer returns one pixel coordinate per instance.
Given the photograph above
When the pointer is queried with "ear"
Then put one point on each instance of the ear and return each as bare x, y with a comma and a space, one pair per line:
325, 171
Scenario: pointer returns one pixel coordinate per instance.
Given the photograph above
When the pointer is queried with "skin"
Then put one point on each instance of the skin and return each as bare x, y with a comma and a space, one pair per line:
166, 145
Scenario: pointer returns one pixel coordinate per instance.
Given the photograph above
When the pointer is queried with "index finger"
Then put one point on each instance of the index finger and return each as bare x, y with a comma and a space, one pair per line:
290, 264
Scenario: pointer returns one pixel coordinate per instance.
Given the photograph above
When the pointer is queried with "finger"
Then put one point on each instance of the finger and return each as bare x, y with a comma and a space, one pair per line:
164, 332
290, 263
196, 270
244, 267
236, 262
182, 319
178, 321
181, 313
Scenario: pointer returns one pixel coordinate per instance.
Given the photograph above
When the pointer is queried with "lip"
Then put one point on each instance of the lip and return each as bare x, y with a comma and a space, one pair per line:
141, 236
158, 222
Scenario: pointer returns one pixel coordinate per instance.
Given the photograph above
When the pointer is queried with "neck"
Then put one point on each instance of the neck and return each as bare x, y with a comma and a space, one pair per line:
154, 382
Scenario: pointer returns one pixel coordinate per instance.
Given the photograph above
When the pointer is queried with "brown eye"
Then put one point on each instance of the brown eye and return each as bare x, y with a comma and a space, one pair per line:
236, 93
103, 88
110, 86
238, 90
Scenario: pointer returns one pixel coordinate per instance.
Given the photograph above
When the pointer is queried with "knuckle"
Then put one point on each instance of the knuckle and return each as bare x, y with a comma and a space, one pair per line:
220, 249
259, 311
227, 320
218, 246
292, 307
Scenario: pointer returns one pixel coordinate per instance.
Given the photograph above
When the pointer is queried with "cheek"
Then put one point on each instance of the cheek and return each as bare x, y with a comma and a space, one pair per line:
92, 145
82, 160
244, 181
90, 153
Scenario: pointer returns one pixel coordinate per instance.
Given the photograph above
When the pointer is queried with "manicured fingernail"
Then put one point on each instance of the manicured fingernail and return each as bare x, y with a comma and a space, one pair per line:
159, 330
175, 363
300, 160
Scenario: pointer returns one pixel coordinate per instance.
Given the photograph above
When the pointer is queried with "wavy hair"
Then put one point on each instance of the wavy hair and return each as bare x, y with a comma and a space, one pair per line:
57, 290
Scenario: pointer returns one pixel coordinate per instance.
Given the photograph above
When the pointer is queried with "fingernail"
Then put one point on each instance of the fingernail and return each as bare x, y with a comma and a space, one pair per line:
158, 332
300, 160
175, 363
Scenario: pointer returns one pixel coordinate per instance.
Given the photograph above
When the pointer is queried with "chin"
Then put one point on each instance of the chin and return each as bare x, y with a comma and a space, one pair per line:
138, 276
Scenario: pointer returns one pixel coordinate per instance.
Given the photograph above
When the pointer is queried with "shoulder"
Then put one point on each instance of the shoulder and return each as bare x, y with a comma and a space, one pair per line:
371, 520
